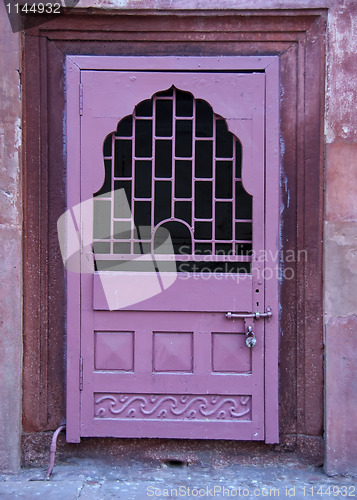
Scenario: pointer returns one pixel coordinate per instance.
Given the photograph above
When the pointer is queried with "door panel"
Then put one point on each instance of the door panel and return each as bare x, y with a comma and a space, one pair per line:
200, 295
159, 357
196, 374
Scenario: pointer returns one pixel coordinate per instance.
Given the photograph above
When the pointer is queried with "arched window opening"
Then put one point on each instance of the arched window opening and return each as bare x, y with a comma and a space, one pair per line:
180, 168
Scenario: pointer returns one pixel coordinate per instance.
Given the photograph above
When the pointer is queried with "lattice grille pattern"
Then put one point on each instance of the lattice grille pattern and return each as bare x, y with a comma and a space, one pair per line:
180, 168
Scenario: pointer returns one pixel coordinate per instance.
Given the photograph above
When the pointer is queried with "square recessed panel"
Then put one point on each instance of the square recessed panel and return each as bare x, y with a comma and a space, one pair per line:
114, 351
230, 353
172, 352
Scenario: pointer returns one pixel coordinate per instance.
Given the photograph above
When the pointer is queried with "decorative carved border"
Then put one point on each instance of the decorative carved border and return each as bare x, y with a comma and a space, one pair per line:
172, 406
298, 38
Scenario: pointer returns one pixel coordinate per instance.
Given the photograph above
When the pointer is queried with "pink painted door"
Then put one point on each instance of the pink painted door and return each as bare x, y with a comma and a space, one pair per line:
173, 222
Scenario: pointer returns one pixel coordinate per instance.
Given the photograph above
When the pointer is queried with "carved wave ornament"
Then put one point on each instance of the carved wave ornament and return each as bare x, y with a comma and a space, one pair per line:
197, 407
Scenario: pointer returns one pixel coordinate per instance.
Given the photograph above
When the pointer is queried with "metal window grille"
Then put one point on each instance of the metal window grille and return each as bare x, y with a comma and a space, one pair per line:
180, 168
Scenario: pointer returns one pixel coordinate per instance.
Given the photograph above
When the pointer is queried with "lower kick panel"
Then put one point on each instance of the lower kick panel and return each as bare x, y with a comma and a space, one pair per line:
174, 416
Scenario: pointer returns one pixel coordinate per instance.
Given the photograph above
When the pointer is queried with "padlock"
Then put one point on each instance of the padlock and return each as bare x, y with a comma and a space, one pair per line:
250, 340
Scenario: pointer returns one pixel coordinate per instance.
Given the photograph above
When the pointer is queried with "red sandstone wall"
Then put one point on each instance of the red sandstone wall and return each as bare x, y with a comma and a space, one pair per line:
10, 247
340, 240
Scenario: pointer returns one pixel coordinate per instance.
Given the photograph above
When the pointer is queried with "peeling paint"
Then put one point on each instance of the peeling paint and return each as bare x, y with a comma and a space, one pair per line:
7, 193
282, 147
18, 133
341, 93
351, 257
10, 249
284, 186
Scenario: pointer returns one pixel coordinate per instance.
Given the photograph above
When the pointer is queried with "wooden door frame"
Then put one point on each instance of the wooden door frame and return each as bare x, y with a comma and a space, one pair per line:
298, 38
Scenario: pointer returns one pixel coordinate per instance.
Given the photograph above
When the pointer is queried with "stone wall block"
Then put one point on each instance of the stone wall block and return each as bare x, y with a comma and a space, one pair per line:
341, 124
10, 123
10, 348
10, 247
341, 181
341, 396
340, 269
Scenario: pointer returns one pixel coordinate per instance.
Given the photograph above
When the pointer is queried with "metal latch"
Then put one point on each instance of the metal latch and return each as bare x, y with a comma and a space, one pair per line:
256, 315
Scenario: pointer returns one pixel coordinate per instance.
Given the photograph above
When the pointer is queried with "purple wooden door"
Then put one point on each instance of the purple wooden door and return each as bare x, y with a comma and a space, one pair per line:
173, 179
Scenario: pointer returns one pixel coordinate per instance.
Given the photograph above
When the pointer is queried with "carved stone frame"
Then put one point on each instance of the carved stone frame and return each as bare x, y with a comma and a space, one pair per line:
298, 38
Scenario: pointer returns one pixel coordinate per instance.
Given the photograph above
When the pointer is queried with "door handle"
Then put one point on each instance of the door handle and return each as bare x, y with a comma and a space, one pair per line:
256, 315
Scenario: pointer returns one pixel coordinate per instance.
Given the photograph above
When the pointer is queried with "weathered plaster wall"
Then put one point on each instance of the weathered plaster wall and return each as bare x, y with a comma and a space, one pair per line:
204, 4
340, 242
340, 272
10, 248
340, 223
